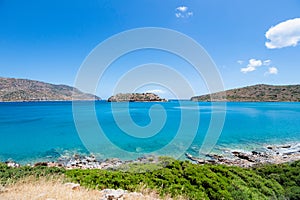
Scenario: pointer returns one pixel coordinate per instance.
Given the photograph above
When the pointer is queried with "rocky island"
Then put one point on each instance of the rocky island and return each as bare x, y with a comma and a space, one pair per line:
256, 93
136, 97
12, 90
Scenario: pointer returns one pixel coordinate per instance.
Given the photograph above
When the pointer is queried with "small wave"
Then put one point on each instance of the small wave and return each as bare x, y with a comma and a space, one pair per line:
20, 121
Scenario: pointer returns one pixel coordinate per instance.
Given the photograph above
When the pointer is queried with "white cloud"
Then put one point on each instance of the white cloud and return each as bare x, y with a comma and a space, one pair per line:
190, 14
284, 34
267, 62
182, 8
254, 64
155, 91
272, 70
248, 69
178, 15
240, 62
182, 12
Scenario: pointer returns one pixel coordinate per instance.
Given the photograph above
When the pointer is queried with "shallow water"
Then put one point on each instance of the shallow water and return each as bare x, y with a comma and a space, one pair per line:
35, 131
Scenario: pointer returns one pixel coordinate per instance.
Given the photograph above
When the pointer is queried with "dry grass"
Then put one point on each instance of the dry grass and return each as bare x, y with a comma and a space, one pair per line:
45, 189
55, 189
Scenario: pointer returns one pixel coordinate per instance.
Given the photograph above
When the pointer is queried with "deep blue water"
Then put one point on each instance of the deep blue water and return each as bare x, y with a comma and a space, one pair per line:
33, 131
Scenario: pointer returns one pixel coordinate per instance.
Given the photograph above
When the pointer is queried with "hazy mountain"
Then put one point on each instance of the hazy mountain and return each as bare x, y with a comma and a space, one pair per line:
256, 93
12, 89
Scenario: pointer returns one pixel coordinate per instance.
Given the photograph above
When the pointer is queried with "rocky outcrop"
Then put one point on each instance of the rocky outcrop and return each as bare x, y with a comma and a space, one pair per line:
73, 186
274, 154
120, 194
12, 164
12, 89
256, 93
77, 161
270, 154
91, 162
111, 194
133, 97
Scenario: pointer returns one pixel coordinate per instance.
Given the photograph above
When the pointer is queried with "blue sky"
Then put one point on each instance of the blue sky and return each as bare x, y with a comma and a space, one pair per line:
49, 40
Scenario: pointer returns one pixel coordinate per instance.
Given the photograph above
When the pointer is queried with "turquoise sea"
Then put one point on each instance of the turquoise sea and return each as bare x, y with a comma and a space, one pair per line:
43, 131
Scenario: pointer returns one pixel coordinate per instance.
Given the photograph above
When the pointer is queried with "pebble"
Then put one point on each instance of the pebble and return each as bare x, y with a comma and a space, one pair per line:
12, 164
73, 186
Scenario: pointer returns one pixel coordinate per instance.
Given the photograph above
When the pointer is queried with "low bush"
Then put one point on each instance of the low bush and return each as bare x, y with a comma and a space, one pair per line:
178, 178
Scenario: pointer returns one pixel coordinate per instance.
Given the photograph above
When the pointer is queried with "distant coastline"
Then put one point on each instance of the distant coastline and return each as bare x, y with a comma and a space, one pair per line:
24, 90
255, 93
45, 101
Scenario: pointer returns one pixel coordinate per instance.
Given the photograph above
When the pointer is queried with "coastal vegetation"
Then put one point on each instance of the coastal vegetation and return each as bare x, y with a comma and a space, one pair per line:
180, 179
256, 93
12, 89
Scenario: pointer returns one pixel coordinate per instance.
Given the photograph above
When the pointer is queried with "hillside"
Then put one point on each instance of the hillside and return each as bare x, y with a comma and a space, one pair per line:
145, 97
12, 89
175, 179
257, 93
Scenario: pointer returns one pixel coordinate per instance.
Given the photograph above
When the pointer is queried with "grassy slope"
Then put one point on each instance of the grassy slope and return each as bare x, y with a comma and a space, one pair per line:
185, 179
46, 189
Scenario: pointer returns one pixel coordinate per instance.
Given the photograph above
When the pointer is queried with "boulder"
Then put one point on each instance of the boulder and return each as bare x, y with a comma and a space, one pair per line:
111, 194
73, 186
44, 164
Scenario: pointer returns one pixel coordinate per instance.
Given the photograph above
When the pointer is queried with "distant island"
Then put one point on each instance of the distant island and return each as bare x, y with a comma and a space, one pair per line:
12, 89
256, 93
136, 97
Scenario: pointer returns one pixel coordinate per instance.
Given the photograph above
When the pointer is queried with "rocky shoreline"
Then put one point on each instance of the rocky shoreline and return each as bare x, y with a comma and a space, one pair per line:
274, 154
89, 162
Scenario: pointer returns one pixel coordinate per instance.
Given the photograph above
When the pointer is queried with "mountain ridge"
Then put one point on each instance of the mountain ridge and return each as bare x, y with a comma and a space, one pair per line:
255, 93
18, 90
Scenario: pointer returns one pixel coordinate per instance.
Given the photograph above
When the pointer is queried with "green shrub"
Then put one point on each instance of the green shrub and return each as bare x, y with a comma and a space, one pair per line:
184, 178
177, 178
11, 175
